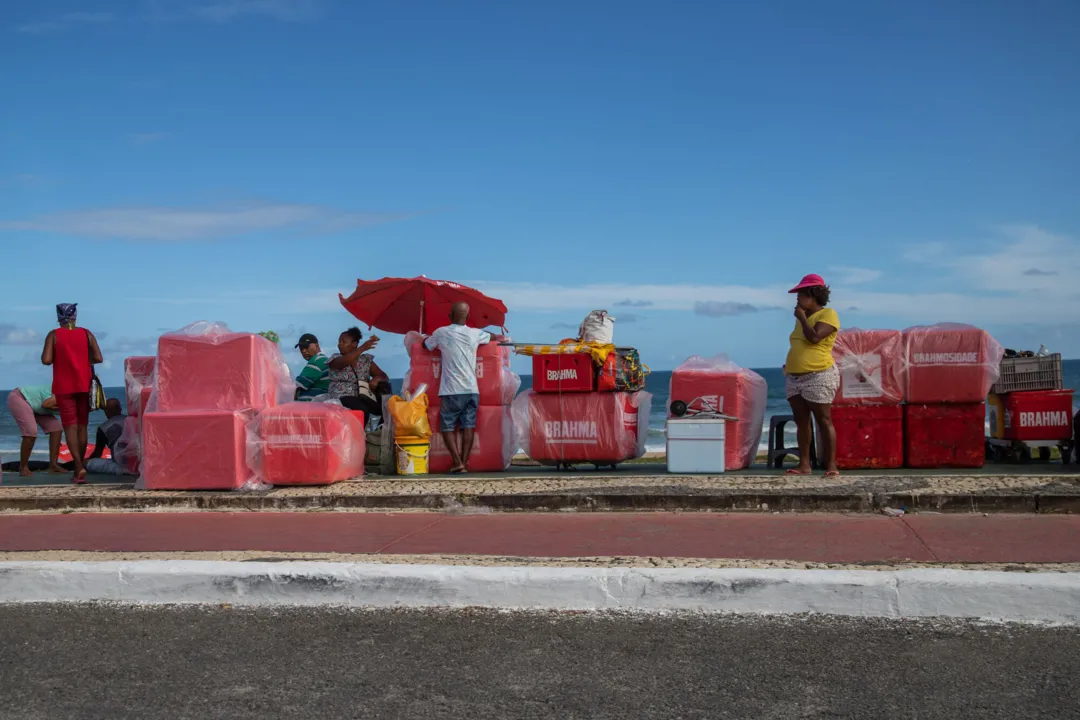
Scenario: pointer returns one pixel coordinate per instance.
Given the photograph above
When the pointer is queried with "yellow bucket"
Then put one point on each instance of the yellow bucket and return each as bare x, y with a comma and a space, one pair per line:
412, 455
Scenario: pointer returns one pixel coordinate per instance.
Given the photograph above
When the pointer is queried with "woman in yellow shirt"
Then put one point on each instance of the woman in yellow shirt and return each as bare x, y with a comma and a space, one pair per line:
810, 372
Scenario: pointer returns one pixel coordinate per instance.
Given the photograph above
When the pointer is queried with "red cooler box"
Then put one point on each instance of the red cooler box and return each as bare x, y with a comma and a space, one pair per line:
308, 444
869, 436
598, 428
195, 450
563, 373
1032, 415
498, 383
493, 443
138, 375
230, 371
945, 436
871, 365
737, 391
950, 364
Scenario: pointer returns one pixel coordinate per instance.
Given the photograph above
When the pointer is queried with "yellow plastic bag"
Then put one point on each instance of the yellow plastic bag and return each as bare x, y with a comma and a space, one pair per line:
410, 416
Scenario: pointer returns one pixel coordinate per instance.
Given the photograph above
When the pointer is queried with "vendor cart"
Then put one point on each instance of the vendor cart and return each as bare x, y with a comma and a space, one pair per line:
1024, 451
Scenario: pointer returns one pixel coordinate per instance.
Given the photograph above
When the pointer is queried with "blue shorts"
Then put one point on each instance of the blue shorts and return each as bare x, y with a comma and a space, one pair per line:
458, 411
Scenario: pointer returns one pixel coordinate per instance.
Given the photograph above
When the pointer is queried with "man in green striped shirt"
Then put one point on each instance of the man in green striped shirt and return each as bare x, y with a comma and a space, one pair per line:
314, 379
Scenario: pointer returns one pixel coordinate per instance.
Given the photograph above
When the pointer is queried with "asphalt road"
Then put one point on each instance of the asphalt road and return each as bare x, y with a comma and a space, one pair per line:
110, 662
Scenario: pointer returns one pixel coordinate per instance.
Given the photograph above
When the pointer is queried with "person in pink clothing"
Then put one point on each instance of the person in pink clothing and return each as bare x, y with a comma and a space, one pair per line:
32, 406
72, 351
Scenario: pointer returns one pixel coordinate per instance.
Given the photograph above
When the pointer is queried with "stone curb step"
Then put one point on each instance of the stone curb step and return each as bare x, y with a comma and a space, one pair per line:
990, 595
555, 502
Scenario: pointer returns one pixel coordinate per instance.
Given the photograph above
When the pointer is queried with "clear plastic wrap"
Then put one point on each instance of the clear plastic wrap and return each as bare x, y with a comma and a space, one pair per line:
732, 390
128, 449
950, 363
493, 444
195, 450
138, 377
498, 383
871, 365
598, 428
205, 366
305, 443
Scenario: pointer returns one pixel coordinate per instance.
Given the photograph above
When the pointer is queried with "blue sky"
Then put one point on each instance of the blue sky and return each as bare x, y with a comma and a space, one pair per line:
679, 164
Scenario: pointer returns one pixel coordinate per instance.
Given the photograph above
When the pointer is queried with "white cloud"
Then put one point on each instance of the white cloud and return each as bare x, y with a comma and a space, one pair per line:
170, 224
1006, 267
283, 10
842, 275
66, 21
14, 335
144, 139
712, 308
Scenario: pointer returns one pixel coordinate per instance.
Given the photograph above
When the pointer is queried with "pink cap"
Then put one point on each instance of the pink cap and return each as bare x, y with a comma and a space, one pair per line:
808, 282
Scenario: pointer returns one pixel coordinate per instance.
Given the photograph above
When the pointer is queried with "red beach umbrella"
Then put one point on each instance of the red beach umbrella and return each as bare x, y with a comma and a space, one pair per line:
399, 305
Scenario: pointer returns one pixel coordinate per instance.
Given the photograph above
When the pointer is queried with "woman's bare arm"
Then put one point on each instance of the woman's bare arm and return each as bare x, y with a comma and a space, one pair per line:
48, 351
95, 350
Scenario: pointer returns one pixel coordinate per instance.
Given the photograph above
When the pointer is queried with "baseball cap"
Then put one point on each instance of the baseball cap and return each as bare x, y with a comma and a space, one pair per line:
808, 282
306, 339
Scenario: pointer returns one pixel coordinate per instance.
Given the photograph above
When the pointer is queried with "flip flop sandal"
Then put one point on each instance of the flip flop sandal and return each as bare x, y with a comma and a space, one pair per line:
796, 471
832, 474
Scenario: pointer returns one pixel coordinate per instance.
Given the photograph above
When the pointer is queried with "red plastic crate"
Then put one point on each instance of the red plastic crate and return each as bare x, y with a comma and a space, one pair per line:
195, 450
493, 442
600, 428
871, 366
138, 375
869, 436
497, 382
234, 371
945, 435
739, 392
309, 444
563, 373
1032, 415
950, 364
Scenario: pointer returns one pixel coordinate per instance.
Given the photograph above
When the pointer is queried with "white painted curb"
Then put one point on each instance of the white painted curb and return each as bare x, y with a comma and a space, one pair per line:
1005, 596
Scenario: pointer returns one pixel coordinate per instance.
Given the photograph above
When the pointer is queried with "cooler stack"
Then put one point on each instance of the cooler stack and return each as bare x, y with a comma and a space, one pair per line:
721, 385
305, 443
493, 442
138, 385
950, 370
1028, 405
868, 410
209, 384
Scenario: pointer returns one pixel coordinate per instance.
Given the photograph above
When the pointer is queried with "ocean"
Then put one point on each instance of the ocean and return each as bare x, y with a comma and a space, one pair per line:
657, 384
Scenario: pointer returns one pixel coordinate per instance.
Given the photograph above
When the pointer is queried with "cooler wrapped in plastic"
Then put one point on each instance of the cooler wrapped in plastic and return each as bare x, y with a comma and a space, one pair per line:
138, 376
195, 450
493, 442
498, 383
207, 367
598, 428
732, 390
945, 435
950, 363
305, 443
871, 366
868, 436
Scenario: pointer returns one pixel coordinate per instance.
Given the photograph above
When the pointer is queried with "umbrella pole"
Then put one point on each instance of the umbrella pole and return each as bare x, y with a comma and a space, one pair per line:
421, 317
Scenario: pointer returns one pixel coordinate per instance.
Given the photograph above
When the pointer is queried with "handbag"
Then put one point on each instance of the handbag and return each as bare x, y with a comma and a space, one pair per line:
97, 392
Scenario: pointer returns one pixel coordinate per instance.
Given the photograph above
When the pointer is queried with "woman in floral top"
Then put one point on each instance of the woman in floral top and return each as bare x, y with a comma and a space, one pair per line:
355, 379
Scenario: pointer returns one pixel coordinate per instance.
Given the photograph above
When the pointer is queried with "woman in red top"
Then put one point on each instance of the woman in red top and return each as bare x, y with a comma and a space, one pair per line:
72, 352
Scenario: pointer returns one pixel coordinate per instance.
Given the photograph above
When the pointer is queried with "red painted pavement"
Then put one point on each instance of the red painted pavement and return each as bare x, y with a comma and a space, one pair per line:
812, 538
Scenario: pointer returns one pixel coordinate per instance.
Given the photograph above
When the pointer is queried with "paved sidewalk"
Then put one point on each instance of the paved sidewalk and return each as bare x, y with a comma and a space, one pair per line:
812, 537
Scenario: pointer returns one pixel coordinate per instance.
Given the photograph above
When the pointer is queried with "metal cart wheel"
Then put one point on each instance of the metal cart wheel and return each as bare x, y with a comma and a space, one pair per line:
1044, 454
1025, 454
993, 452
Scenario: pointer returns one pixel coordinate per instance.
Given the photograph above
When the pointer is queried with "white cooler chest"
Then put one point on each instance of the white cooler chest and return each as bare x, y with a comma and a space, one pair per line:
695, 445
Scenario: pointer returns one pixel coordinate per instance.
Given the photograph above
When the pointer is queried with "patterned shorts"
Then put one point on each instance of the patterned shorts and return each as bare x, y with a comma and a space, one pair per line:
818, 388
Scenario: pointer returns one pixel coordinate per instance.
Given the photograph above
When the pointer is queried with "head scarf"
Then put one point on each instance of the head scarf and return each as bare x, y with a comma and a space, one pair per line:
66, 313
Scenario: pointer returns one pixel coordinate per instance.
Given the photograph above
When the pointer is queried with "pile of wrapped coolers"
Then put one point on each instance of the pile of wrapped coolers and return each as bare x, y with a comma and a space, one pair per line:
214, 411
915, 398
587, 404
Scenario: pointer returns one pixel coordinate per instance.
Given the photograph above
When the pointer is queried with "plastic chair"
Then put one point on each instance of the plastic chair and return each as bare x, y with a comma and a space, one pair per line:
777, 451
